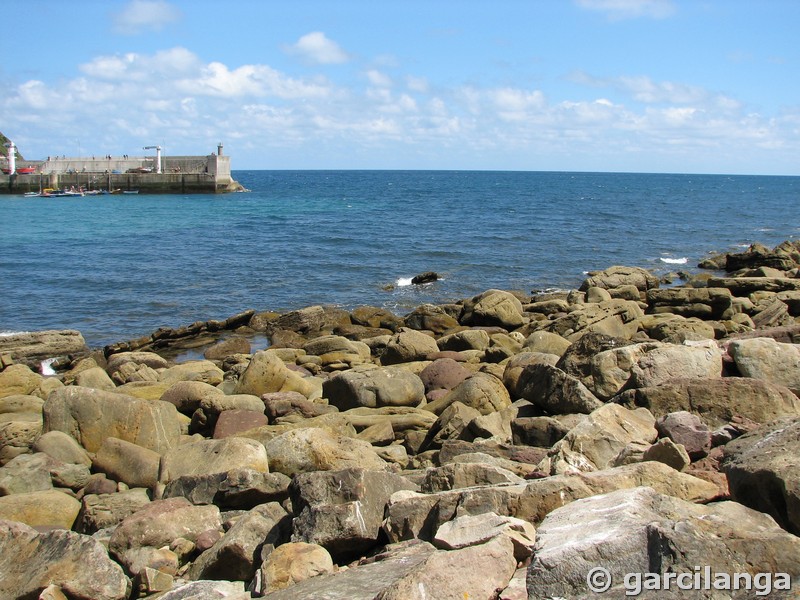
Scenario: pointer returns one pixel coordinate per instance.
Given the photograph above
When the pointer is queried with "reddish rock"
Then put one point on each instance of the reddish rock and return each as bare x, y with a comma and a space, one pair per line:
231, 422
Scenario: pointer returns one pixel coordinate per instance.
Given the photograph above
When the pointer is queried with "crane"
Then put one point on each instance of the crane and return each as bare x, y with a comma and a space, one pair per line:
158, 156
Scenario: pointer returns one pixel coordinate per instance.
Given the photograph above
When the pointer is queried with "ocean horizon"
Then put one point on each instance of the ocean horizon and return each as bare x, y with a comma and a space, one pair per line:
118, 267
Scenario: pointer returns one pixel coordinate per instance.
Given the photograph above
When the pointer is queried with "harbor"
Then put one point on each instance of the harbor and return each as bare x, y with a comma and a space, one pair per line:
152, 173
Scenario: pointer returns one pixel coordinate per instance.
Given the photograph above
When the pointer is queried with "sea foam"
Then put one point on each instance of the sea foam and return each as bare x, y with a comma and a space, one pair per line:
675, 261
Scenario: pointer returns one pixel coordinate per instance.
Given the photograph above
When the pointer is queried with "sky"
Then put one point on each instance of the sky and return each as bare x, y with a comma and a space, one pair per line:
682, 86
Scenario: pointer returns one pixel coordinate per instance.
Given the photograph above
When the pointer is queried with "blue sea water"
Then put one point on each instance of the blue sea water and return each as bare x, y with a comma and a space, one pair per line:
117, 267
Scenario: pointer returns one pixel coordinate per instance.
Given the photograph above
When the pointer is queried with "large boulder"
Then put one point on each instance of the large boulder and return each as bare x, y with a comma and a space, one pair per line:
46, 508
126, 462
700, 360
494, 308
292, 563
18, 380
767, 359
373, 387
618, 276
342, 510
615, 318
412, 515
483, 392
90, 416
78, 564
239, 488
638, 531
443, 374
515, 367
267, 373
611, 369
716, 401
416, 570
763, 470
704, 303
596, 441
99, 511
188, 395
206, 457
408, 345
158, 524
20, 425
193, 370
310, 449
555, 391
235, 556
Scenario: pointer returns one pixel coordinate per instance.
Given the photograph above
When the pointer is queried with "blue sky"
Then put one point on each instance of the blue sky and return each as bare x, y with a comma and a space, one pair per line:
691, 86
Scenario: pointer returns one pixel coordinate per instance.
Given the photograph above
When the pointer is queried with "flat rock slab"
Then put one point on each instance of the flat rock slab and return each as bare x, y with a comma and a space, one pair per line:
32, 347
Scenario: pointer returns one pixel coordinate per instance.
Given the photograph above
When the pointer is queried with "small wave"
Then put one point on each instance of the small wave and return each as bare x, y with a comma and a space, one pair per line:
10, 333
45, 367
403, 281
675, 261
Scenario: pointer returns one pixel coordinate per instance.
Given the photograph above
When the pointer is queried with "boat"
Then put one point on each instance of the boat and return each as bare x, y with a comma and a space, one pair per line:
21, 171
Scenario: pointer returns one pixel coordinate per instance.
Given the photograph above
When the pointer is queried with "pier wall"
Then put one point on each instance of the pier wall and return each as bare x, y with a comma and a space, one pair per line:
180, 175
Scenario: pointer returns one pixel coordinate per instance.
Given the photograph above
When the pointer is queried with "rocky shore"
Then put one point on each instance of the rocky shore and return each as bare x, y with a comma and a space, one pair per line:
504, 446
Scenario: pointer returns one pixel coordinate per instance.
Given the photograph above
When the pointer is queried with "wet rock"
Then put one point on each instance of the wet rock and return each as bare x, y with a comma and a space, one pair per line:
430, 318
226, 347
426, 277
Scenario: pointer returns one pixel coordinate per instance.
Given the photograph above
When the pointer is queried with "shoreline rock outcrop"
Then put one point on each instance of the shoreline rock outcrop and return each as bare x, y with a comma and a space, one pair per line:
462, 450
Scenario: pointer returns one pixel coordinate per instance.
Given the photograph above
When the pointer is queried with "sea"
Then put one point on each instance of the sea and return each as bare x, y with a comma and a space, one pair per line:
117, 267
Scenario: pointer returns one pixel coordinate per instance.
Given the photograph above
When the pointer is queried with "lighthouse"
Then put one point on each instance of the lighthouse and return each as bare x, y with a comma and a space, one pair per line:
12, 158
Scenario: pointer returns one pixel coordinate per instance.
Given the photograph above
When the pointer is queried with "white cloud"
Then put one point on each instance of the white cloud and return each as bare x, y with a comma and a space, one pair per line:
144, 15
630, 9
174, 96
379, 79
317, 48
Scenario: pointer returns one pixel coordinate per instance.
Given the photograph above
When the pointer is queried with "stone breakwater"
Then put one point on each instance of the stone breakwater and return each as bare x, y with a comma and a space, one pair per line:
498, 447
